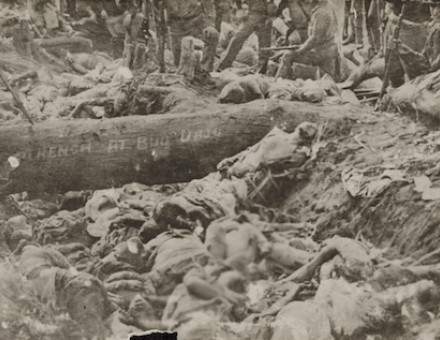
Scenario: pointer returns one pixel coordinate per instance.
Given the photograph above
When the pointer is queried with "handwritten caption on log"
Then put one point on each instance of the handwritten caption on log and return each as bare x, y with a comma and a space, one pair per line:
140, 143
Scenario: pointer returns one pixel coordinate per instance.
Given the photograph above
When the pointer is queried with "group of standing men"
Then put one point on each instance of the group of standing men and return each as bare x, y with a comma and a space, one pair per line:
319, 25
202, 19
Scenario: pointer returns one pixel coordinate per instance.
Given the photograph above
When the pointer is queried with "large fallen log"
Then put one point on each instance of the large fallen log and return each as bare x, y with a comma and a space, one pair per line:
57, 156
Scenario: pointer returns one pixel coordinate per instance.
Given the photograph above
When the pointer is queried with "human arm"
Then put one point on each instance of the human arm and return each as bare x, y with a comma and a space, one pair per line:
141, 323
196, 284
416, 63
396, 45
57, 259
92, 18
232, 285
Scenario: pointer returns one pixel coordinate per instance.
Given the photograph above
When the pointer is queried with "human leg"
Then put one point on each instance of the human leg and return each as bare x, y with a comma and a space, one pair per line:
374, 24
198, 26
359, 21
237, 41
323, 59
285, 69
177, 32
264, 37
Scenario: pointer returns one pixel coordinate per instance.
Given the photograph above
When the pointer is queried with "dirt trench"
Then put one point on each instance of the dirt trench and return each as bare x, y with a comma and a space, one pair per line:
399, 218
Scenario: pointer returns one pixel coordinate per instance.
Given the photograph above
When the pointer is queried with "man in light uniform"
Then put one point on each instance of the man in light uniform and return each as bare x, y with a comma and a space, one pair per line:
322, 47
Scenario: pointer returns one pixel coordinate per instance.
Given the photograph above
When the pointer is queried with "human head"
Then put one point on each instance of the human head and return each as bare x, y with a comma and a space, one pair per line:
149, 231
307, 131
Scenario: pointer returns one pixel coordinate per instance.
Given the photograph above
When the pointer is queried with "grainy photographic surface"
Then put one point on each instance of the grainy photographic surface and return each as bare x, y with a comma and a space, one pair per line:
219, 169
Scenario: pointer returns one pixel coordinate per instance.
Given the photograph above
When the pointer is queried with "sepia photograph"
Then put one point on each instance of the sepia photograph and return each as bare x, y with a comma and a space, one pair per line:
219, 169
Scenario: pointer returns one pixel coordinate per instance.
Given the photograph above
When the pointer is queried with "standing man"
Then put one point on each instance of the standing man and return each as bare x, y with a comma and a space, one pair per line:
222, 10
374, 21
359, 12
367, 22
259, 21
322, 48
137, 34
428, 60
413, 33
193, 18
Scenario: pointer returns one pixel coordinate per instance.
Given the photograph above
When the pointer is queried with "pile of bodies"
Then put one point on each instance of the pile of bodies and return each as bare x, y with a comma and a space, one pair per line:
208, 258
205, 259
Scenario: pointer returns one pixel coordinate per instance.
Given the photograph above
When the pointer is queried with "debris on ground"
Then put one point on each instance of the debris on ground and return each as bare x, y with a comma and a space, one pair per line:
322, 224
